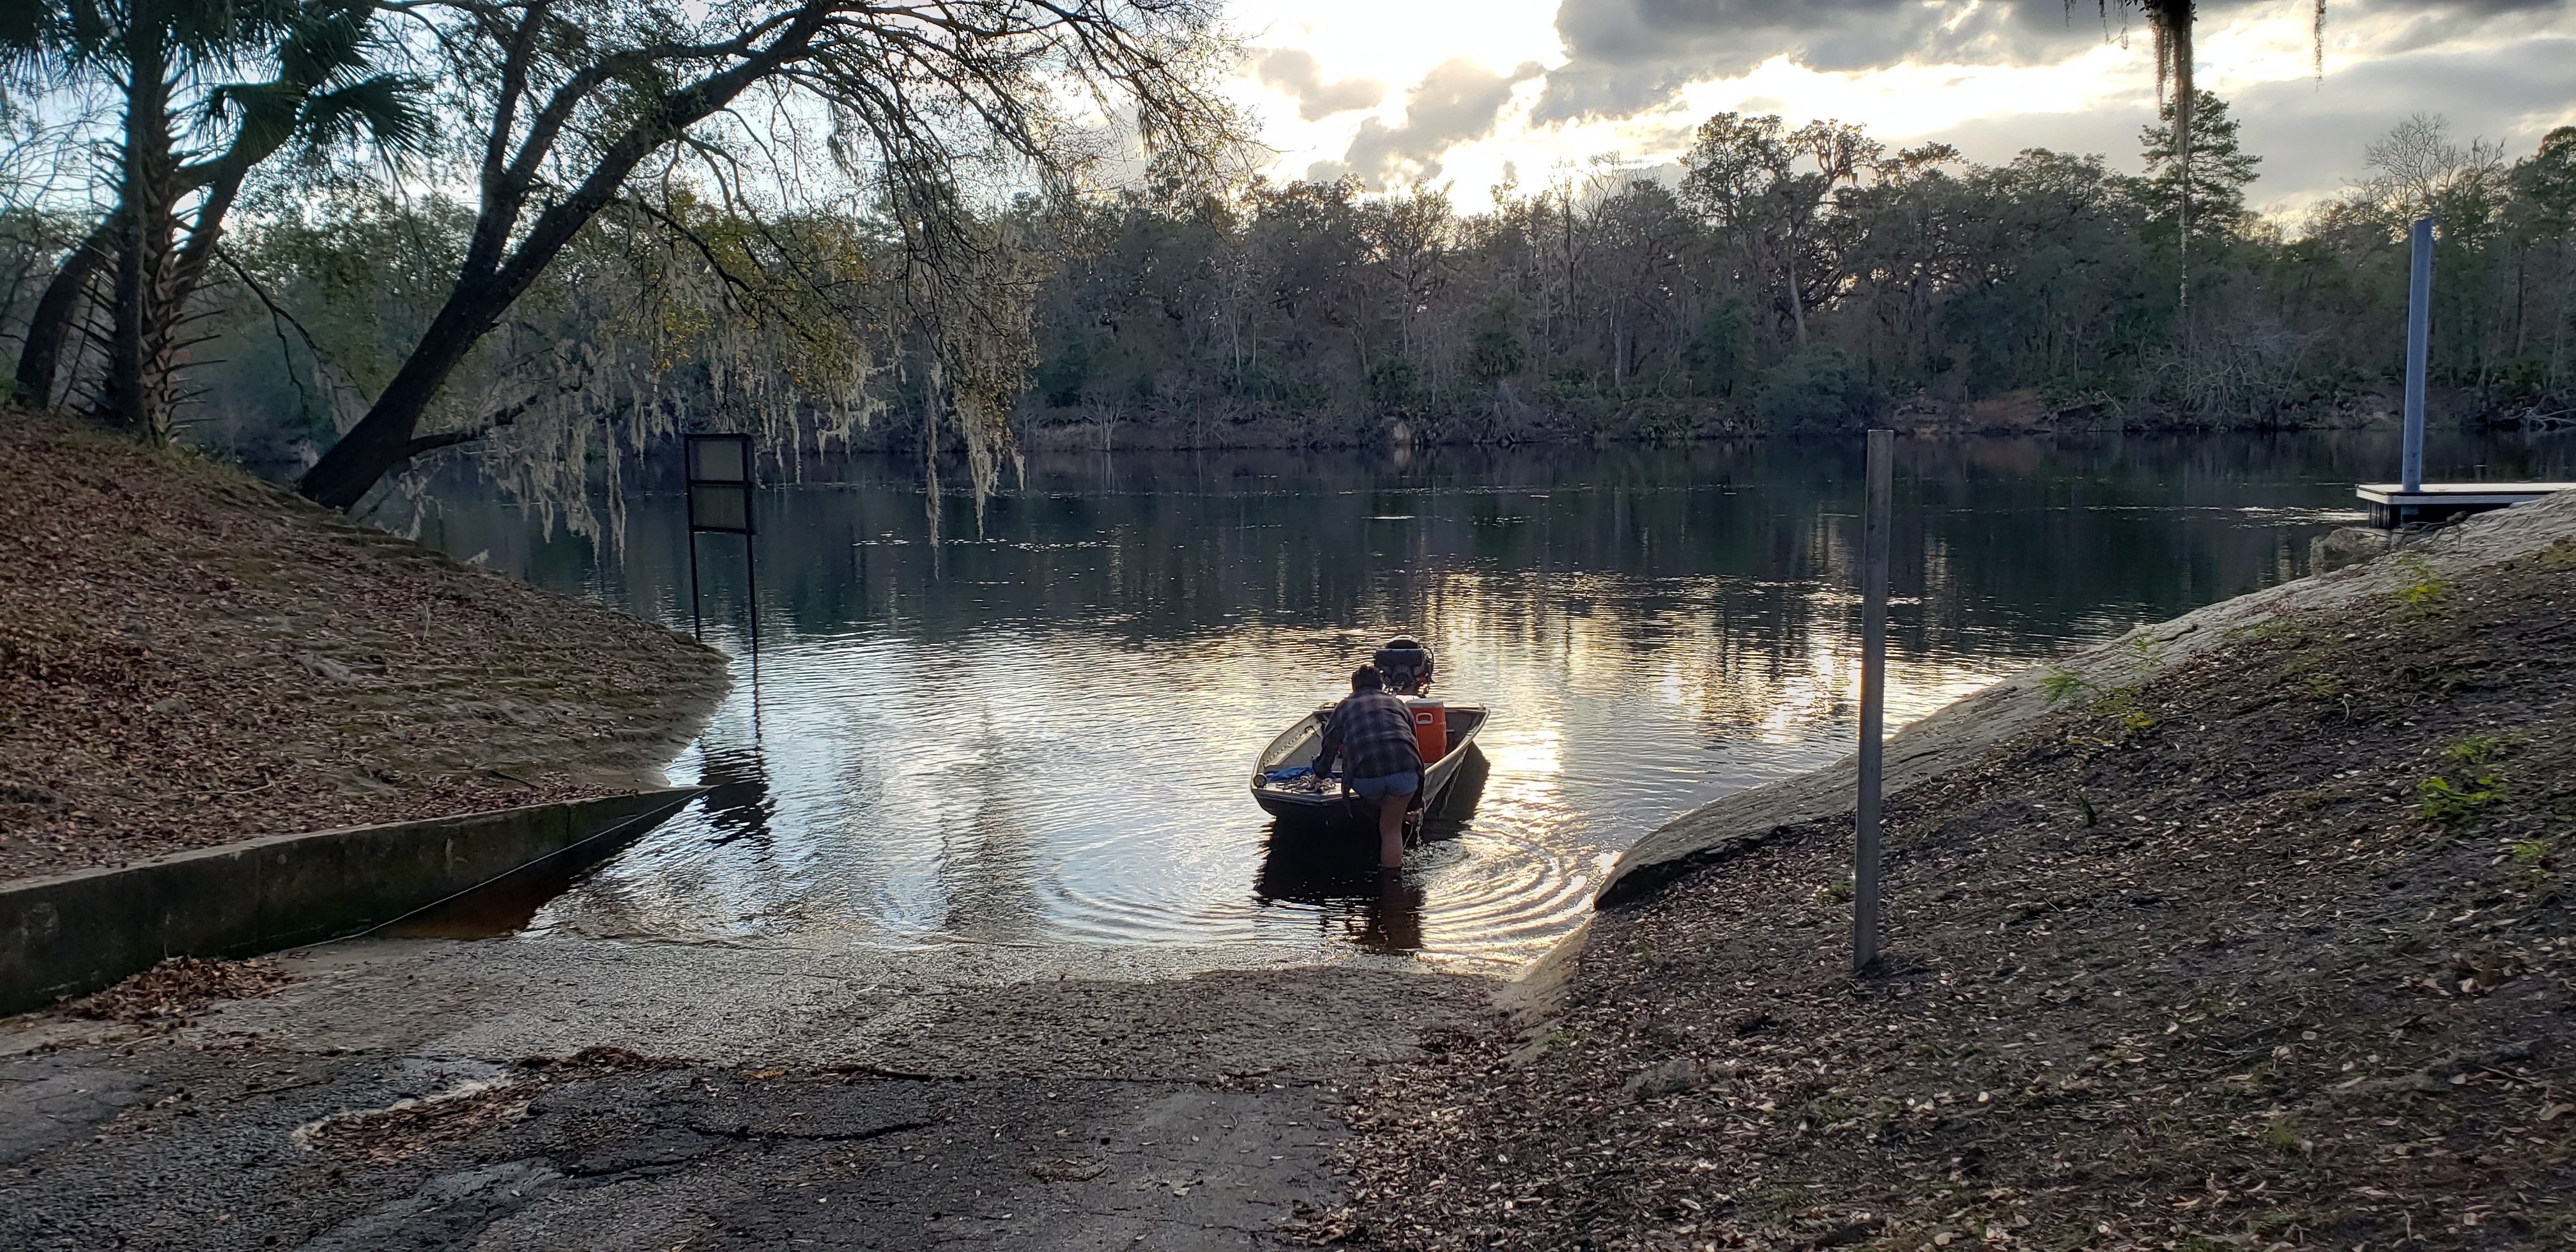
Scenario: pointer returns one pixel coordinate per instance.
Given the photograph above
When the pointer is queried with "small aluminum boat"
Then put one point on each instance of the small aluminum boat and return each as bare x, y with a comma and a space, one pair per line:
1285, 786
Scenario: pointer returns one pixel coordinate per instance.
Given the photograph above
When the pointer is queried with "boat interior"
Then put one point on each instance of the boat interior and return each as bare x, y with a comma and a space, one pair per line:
1297, 746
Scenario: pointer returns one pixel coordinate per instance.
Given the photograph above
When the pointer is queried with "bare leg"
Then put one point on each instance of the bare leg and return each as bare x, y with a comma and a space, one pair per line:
1390, 830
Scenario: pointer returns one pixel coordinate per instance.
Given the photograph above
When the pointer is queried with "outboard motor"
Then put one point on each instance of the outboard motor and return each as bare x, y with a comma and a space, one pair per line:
1405, 665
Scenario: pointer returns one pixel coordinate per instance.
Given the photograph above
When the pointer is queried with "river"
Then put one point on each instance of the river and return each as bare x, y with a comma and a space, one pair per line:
1035, 729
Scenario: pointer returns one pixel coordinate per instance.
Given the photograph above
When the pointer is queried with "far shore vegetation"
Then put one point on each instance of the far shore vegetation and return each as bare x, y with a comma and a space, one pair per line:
344, 244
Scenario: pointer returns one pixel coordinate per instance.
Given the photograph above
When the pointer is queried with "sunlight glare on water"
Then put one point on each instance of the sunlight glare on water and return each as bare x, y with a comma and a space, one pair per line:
1044, 736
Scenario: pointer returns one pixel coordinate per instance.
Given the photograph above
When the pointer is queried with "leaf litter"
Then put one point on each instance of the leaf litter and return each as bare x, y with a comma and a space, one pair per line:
2222, 961
190, 657
175, 991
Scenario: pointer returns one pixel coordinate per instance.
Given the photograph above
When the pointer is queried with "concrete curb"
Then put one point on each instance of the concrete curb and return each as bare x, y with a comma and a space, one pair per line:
74, 933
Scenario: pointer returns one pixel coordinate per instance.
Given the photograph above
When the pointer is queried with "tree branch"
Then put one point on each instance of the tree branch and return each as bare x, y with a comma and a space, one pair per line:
451, 438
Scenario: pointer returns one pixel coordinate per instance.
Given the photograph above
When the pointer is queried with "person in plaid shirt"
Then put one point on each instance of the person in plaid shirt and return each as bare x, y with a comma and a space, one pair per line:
1372, 732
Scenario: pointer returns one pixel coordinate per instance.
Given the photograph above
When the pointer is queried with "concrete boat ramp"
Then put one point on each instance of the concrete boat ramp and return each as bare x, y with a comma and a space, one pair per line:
533, 1094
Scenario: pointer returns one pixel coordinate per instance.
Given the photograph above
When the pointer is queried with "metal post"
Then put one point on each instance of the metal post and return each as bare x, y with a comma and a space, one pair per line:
697, 621
1873, 696
751, 587
689, 498
2419, 318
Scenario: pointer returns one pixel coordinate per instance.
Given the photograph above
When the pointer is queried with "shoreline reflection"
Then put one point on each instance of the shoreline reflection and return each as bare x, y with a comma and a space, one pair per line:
1034, 727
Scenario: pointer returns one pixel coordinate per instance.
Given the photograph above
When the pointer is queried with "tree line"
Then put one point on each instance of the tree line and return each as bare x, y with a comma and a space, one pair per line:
1807, 279
537, 233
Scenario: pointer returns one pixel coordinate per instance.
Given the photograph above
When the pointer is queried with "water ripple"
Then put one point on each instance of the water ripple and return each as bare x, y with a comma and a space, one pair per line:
1040, 733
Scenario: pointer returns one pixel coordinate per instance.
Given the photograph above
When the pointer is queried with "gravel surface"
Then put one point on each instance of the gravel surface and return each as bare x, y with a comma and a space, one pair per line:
2265, 944
190, 657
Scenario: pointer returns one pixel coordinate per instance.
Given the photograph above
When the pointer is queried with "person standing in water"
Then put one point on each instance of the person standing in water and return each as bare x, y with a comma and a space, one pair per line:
1372, 732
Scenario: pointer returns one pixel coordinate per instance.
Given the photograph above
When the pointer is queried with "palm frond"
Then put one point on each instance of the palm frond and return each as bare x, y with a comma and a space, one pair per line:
266, 113
323, 44
383, 110
22, 25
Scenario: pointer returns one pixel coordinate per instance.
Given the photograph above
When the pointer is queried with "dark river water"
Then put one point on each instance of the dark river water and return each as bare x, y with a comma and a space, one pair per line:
1037, 730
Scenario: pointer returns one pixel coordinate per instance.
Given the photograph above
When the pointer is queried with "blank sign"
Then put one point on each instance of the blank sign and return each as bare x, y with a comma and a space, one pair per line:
719, 458
720, 506
720, 482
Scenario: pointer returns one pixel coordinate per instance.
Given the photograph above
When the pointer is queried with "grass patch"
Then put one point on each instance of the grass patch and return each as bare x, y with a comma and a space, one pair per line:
2265, 631
2425, 587
2307, 675
2283, 1136
2063, 684
2117, 705
2468, 782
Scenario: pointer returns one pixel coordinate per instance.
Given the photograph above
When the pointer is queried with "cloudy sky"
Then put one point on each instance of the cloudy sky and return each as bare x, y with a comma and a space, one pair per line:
1454, 91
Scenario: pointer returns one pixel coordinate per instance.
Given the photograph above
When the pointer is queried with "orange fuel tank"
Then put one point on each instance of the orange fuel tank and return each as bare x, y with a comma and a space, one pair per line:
1430, 727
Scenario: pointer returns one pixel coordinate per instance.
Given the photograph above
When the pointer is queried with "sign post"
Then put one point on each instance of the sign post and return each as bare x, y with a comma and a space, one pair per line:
719, 478
1873, 696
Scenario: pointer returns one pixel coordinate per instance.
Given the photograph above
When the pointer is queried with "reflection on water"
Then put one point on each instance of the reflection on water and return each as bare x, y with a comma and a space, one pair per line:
1040, 730
1337, 879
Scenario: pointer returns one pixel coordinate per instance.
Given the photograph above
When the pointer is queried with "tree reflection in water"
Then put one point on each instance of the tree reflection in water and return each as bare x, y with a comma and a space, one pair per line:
1040, 731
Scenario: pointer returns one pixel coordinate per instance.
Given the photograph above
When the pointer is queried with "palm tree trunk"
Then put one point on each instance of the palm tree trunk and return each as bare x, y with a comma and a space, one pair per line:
1797, 302
136, 395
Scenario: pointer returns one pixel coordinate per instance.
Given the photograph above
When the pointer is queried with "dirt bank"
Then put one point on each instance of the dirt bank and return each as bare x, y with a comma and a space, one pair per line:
2250, 930
190, 657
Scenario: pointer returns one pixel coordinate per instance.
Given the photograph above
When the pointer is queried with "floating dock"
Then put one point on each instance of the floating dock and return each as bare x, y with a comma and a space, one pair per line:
2411, 501
2393, 506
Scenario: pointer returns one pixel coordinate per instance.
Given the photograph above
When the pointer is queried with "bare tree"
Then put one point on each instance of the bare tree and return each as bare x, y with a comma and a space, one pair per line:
2417, 170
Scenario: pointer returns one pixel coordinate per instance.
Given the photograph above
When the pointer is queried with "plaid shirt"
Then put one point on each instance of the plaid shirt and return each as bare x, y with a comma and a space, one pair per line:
1373, 731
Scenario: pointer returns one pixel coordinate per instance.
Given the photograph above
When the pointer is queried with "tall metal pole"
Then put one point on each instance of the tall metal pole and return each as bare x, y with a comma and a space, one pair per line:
1873, 696
2419, 319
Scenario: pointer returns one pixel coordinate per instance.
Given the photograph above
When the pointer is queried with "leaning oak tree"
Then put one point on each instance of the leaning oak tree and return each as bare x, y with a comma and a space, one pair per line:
570, 101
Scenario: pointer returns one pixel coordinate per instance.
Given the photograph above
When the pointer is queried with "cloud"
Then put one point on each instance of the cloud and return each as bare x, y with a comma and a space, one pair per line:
1629, 56
1459, 101
2311, 134
1294, 72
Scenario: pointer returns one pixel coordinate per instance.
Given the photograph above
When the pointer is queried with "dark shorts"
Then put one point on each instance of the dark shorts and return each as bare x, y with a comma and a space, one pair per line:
1390, 785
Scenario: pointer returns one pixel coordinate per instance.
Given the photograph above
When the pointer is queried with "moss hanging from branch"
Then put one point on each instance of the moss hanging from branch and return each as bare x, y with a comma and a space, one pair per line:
675, 315
974, 293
